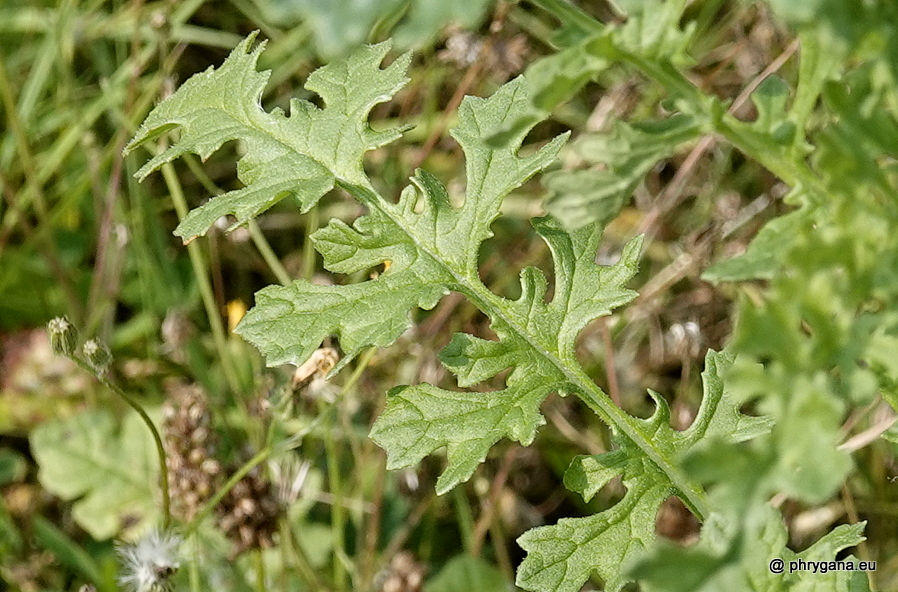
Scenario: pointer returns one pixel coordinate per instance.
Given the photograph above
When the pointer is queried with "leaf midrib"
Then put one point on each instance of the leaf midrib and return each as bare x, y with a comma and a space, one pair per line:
588, 391
491, 304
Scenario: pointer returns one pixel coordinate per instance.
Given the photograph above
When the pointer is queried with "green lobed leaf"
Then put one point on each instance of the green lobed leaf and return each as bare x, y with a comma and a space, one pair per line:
627, 154
420, 419
432, 247
107, 474
301, 154
429, 252
465, 573
562, 557
289, 323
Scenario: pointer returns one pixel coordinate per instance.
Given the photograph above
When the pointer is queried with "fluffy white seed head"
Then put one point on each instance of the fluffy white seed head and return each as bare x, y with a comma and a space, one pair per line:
149, 564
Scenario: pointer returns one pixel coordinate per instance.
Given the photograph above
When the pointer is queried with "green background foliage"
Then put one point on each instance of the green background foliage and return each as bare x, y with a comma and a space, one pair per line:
685, 313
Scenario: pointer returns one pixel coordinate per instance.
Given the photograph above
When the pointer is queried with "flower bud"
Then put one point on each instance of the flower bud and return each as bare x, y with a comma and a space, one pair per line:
63, 336
98, 357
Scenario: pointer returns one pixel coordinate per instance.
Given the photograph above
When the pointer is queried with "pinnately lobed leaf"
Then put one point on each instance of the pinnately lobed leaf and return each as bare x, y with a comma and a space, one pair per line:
419, 419
302, 154
432, 248
561, 557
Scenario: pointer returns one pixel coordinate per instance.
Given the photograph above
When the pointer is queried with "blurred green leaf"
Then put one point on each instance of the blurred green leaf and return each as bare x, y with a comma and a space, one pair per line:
12, 466
770, 99
465, 573
426, 18
110, 475
626, 154
651, 37
11, 539
743, 535
764, 257
731, 558
341, 26
338, 26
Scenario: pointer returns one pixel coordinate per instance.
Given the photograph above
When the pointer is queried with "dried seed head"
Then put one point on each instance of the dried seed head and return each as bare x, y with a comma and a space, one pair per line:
63, 336
289, 474
404, 574
194, 471
249, 512
149, 564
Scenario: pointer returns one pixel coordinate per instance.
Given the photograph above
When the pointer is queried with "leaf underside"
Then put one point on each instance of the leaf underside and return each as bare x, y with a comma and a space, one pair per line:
432, 248
302, 154
562, 557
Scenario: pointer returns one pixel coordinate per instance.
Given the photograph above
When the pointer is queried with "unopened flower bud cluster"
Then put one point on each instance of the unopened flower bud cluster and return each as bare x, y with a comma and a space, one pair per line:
64, 341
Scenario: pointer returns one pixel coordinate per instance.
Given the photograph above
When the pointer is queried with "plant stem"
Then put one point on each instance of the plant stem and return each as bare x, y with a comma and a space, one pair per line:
202, 278
495, 307
308, 249
338, 516
193, 569
160, 449
157, 439
293, 547
260, 570
465, 518
274, 264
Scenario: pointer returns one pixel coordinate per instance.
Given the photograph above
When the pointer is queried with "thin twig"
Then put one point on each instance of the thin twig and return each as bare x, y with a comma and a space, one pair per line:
868, 436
